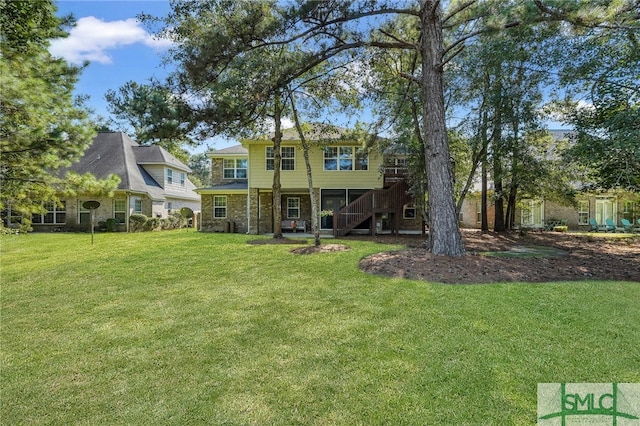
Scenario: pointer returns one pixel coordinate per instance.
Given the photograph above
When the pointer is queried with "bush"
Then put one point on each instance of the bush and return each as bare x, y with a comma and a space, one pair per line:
173, 221
137, 222
152, 223
111, 225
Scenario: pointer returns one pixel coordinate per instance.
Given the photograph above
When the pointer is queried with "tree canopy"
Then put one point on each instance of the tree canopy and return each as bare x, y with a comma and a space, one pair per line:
222, 45
42, 127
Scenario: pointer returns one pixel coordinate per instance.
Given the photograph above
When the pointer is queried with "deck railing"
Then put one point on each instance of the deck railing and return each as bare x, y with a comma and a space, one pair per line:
393, 175
388, 200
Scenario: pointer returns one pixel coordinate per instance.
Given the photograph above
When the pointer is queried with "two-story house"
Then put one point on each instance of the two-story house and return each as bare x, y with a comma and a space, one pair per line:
349, 183
152, 182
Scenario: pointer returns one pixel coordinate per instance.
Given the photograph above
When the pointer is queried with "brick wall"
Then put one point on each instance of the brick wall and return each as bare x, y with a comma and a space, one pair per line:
236, 213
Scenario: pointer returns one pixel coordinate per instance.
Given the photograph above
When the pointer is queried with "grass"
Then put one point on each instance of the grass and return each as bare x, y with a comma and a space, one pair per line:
175, 328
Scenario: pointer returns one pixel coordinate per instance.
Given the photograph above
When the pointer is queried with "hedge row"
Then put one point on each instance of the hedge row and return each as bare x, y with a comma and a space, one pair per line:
139, 222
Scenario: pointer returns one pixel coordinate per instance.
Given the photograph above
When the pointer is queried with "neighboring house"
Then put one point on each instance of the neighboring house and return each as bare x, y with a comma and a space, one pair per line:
546, 214
152, 182
349, 184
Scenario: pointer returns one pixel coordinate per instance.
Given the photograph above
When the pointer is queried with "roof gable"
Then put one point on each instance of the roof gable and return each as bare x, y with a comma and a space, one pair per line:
116, 153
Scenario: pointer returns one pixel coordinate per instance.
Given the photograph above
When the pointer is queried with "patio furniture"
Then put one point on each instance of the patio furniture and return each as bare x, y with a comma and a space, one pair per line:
594, 225
609, 226
627, 226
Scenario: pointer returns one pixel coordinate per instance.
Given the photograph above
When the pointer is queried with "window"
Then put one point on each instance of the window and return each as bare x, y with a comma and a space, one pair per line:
120, 210
331, 158
169, 176
219, 206
532, 213
288, 160
55, 214
169, 207
345, 158
583, 212
293, 207
235, 169
137, 206
409, 211
629, 210
362, 159
84, 215
478, 212
182, 179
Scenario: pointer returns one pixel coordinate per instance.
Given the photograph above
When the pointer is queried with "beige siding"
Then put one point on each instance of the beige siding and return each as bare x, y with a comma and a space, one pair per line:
357, 179
159, 174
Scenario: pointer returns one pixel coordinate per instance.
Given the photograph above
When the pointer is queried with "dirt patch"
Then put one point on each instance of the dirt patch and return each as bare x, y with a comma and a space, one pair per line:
323, 248
549, 257
283, 240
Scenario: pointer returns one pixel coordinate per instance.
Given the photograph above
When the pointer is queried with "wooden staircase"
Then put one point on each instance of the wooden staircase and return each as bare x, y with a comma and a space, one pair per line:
376, 201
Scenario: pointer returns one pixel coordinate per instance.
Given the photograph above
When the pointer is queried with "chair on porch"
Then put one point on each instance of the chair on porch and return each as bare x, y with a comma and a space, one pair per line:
627, 226
609, 226
594, 225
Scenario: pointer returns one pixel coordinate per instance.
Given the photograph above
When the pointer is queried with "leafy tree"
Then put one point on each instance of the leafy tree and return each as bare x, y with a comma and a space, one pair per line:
238, 33
42, 127
155, 115
607, 120
200, 166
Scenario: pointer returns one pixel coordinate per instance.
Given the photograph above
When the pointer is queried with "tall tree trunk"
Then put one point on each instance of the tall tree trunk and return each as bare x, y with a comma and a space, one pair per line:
277, 160
444, 231
484, 220
511, 206
305, 149
498, 223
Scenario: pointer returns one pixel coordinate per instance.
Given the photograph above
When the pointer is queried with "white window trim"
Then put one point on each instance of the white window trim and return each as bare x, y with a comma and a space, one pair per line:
225, 207
355, 151
293, 208
56, 210
235, 168
282, 158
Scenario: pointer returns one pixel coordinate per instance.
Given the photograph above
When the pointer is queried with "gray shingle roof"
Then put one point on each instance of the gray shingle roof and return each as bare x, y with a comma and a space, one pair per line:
116, 153
232, 150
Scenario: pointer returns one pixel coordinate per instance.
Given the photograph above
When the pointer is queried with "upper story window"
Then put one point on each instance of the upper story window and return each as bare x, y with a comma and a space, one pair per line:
183, 178
345, 158
234, 168
288, 161
169, 176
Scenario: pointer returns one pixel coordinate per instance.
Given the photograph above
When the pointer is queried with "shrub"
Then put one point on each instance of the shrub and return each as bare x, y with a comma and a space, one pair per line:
111, 225
137, 222
152, 223
173, 221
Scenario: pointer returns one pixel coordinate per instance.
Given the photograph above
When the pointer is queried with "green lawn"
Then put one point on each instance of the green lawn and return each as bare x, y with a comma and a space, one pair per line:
188, 328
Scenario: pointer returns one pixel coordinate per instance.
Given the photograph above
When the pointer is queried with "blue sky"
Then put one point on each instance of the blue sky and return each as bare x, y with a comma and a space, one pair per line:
118, 47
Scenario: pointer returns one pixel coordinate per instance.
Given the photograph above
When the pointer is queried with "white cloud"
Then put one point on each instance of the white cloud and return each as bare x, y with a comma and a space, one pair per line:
92, 39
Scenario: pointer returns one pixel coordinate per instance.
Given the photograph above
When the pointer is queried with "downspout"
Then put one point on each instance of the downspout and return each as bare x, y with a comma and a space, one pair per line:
128, 212
248, 196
